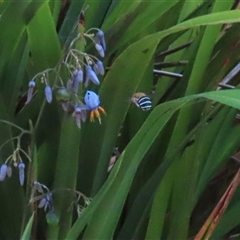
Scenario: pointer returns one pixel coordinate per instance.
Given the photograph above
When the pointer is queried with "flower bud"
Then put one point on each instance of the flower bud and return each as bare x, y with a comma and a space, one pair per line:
48, 94
21, 167
100, 50
101, 39
91, 75
92, 100
9, 171
31, 86
77, 78
100, 67
80, 115
3, 172
95, 68
42, 202
69, 85
77, 115
49, 203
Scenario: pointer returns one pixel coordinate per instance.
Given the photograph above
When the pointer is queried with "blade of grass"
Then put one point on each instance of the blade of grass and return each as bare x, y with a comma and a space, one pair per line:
27, 232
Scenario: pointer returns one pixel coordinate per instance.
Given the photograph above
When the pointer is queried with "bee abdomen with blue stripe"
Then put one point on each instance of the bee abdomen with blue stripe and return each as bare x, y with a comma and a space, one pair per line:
142, 101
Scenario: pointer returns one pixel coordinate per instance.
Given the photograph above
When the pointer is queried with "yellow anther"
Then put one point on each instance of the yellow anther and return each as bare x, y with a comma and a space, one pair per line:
92, 116
102, 110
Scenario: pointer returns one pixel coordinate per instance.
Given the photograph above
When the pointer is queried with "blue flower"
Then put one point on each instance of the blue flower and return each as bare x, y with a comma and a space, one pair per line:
91, 75
48, 94
3, 171
80, 115
42, 202
93, 103
77, 78
100, 67
21, 167
100, 50
31, 86
92, 100
46, 202
100, 39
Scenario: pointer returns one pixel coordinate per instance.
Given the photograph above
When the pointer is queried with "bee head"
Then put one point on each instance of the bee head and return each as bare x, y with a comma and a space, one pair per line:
136, 96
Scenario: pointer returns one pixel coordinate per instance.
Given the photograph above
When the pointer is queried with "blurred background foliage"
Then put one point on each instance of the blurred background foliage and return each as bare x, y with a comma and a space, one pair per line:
173, 167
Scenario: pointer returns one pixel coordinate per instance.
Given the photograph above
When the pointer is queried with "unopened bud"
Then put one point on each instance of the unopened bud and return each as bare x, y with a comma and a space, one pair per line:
100, 50
101, 39
31, 86
48, 94
21, 167
9, 171
3, 172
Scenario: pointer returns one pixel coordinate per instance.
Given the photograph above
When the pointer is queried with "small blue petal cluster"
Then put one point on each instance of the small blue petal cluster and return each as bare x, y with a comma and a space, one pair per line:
73, 84
93, 67
92, 100
6, 170
43, 195
84, 70
46, 202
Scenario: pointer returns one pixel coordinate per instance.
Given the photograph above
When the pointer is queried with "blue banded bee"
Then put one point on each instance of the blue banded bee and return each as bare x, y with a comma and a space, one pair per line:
142, 101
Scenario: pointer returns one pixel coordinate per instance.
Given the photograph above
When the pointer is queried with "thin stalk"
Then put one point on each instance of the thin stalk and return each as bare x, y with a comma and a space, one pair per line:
173, 50
170, 64
168, 74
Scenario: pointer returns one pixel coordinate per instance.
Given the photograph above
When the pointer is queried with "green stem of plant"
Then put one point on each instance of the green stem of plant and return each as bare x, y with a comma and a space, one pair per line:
30, 178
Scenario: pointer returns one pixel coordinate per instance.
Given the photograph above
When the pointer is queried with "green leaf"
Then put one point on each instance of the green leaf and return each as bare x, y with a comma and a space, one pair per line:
43, 40
159, 207
27, 231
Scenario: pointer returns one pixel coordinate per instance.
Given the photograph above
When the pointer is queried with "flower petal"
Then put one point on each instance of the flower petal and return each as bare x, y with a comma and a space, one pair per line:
91, 75
95, 68
79, 76
77, 115
100, 67
92, 100
100, 50
42, 202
